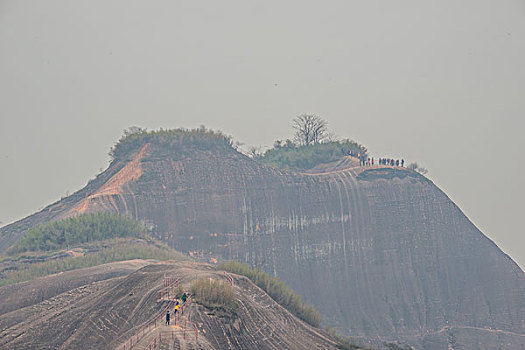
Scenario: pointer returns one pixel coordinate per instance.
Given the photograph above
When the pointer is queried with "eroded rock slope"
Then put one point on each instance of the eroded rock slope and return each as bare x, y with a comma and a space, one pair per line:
382, 252
119, 313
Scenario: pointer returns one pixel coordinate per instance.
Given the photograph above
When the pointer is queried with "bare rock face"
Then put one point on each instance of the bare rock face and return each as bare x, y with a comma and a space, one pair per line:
127, 313
382, 252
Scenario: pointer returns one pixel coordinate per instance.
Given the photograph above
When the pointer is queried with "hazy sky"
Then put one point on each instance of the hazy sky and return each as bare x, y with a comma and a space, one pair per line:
437, 82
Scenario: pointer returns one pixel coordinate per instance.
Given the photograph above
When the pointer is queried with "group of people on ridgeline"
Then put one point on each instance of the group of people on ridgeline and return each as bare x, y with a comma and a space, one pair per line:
391, 162
366, 161
177, 307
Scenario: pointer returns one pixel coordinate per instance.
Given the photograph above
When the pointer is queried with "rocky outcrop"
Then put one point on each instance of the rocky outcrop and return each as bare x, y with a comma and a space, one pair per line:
127, 313
382, 252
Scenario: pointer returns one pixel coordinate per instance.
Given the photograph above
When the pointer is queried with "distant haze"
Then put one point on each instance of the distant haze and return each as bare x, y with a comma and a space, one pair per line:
441, 83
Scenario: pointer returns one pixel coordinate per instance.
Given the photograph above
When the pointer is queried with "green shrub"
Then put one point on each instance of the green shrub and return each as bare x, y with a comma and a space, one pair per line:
118, 250
79, 229
216, 295
277, 290
289, 156
168, 139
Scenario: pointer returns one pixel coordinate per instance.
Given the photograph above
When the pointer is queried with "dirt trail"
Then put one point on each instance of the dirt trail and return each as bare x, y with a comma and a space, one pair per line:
117, 312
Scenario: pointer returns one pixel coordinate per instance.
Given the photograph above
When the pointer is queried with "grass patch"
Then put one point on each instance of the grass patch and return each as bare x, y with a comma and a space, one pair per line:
79, 229
169, 140
216, 295
390, 173
290, 156
342, 342
95, 254
277, 290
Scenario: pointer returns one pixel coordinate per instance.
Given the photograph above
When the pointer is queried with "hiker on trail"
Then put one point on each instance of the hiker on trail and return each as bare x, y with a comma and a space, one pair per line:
168, 317
397, 162
184, 297
177, 306
402, 163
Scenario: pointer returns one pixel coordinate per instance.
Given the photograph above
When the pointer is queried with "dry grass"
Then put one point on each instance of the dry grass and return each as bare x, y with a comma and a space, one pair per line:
215, 295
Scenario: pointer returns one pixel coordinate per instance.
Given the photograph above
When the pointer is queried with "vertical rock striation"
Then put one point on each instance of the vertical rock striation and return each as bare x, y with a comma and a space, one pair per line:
383, 253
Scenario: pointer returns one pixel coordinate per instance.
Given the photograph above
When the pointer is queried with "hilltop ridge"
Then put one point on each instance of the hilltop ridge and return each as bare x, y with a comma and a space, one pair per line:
124, 308
380, 251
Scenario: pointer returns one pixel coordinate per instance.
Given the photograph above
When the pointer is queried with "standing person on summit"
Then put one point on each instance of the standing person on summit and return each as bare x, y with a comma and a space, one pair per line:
168, 317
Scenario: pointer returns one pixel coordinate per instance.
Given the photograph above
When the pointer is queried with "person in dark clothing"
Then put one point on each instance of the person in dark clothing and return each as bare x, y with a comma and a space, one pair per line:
402, 163
184, 297
168, 317
397, 162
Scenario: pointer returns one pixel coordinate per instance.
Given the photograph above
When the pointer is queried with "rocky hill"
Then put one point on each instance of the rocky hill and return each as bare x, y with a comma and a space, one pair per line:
127, 312
381, 251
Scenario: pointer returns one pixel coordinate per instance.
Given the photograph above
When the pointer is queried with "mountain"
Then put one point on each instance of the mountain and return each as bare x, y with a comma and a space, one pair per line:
381, 251
122, 309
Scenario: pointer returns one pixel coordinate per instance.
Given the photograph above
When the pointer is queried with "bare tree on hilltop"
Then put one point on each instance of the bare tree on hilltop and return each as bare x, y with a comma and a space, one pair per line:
310, 129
